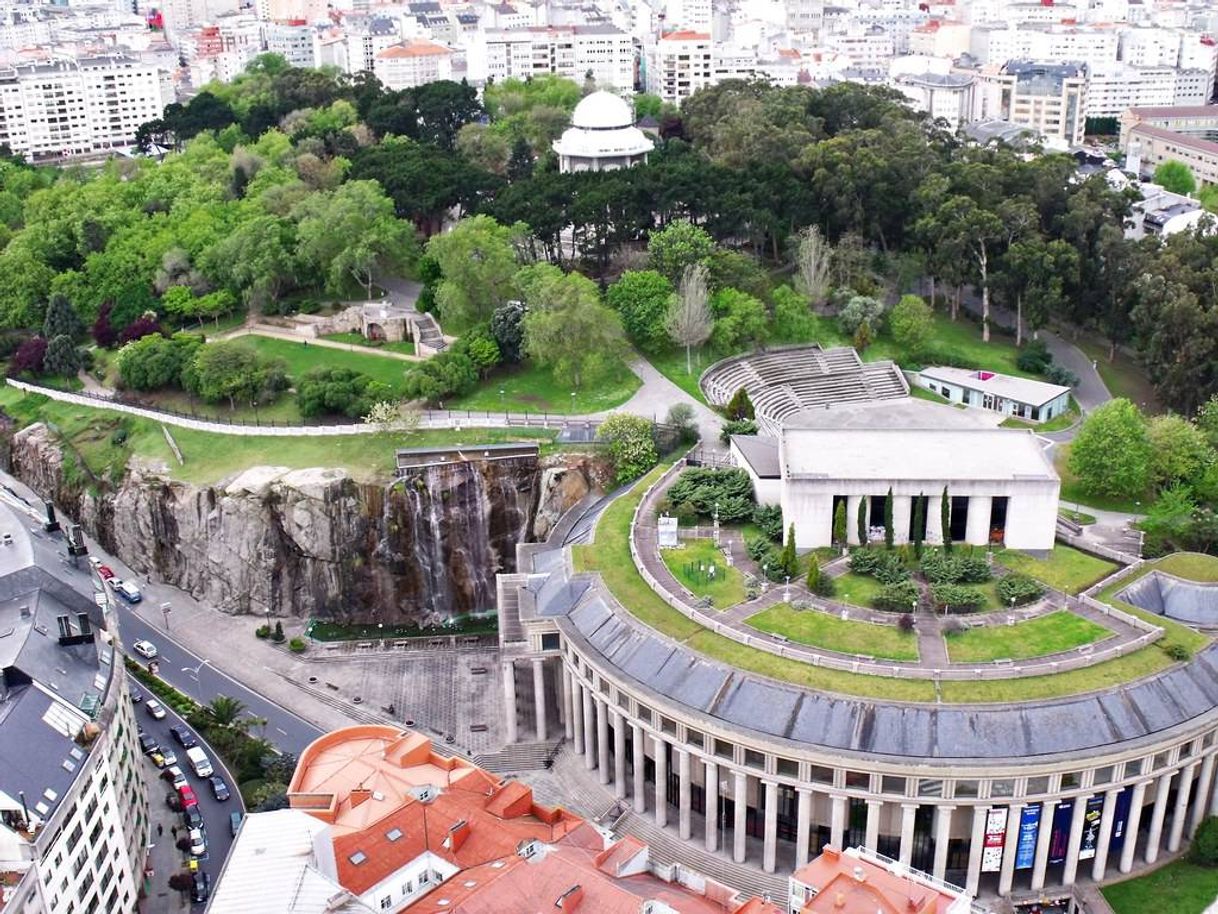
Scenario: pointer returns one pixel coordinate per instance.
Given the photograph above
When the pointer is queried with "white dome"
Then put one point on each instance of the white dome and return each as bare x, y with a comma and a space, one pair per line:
602, 111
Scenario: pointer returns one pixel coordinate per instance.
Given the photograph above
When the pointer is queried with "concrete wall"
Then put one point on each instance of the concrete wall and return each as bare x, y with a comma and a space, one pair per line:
766, 491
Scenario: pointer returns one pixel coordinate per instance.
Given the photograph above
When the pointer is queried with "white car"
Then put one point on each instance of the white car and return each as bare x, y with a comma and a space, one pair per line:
155, 708
144, 649
126, 590
168, 758
198, 846
179, 779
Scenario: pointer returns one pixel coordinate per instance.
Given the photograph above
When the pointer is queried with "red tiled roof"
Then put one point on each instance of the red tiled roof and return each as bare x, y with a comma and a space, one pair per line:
686, 35
416, 48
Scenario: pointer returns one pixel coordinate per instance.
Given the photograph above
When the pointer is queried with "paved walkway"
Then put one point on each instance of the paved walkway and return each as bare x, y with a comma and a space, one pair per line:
279, 333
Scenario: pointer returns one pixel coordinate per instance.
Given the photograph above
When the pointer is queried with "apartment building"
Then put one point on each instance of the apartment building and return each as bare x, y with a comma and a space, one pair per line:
680, 64
574, 51
72, 107
1049, 98
413, 63
1115, 88
294, 40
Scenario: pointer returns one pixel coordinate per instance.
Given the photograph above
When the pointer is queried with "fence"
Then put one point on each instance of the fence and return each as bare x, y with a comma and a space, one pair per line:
1081, 657
1087, 545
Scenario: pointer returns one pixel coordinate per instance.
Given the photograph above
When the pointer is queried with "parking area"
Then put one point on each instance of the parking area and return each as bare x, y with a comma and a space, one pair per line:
215, 814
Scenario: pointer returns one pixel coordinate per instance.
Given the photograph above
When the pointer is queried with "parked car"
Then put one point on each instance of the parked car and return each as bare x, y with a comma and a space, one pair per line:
167, 756
136, 696
126, 590
234, 822
175, 775
148, 744
155, 708
145, 649
187, 793
192, 815
183, 736
105, 572
219, 789
198, 846
201, 890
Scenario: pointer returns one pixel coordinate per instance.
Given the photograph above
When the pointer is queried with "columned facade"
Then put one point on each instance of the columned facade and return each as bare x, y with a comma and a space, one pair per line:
999, 830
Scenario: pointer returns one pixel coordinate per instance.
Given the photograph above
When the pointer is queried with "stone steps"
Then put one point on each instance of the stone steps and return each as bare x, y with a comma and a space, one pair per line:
517, 757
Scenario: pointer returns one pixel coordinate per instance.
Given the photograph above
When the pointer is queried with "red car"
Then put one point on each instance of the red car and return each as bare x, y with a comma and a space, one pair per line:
105, 571
188, 795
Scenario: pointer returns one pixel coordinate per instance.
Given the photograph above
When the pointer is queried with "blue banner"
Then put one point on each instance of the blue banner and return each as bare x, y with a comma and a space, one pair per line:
1120, 819
1060, 838
1029, 828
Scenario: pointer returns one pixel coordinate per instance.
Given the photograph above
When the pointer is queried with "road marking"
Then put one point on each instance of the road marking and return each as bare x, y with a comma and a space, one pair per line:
281, 730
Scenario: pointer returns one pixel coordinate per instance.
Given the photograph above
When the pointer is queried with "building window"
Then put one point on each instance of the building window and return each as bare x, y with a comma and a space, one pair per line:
386, 903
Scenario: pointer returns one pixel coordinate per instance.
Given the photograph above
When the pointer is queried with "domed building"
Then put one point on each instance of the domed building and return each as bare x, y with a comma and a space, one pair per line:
602, 136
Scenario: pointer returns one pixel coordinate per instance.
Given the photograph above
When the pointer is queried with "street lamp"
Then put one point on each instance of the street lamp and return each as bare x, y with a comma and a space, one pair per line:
194, 670
501, 398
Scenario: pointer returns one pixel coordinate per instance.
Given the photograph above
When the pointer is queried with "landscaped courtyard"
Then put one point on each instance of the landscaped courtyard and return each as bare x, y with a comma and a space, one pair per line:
700, 567
1038, 637
821, 629
1064, 569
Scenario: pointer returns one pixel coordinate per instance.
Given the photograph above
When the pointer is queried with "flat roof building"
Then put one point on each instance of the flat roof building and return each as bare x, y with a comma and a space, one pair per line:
1020, 398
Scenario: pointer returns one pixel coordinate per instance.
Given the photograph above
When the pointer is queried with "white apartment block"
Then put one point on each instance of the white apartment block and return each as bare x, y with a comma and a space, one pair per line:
604, 51
998, 44
867, 49
413, 63
939, 38
688, 15
294, 41
73, 107
680, 64
1115, 88
181, 15
1050, 98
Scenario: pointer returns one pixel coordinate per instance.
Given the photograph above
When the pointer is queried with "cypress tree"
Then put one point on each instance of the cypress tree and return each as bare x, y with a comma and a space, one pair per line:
888, 531
945, 519
740, 406
839, 523
919, 525
862, 521
813, 574
788, 561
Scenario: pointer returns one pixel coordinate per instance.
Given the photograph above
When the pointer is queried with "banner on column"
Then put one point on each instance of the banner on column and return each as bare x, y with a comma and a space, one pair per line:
1029, 828
1059, 840
995, 837
1091, 828
1120, 819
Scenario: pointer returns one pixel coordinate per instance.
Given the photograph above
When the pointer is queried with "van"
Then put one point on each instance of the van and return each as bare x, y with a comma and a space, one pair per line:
200, 761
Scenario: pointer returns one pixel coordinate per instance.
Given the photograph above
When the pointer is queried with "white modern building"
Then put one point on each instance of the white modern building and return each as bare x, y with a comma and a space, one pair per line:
1114, 88
295, 42
602, 136
73, 107
680, 64
1048, 98
574, 51
947, 97
1019, 398
1000, 482
413, 63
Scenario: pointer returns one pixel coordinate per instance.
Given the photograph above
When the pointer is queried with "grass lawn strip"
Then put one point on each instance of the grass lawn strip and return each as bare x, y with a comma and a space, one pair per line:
1048, 634
725, 589
1191, 566
855, 589
405, 347
302, 358
1180, 887
529, 388
824, 630
1065, 569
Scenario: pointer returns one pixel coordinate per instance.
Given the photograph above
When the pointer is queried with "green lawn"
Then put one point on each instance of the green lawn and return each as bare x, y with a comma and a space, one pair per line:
1180, 887
529, 388
1056, 424
301, 357
211, 457
1191, 566
856, 589
918, 392
1072, 492
671, 364
1065, 569
834, 634
1079, 517
1122, 376
405, 347
690, 565
1048, 634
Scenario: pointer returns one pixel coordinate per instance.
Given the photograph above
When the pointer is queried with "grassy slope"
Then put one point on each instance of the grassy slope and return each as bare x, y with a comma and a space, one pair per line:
1179, 887
1123, 377
1188, 565
1048, 634
532, 389
856, 589
301, 358
1065, 569
727, 586
406, 347
823, 630
1073, 494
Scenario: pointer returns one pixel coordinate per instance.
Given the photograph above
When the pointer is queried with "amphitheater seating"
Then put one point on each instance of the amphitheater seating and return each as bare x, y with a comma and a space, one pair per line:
785, 381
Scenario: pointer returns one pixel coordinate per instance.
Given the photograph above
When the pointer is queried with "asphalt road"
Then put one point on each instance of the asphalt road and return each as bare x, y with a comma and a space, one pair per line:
216, 828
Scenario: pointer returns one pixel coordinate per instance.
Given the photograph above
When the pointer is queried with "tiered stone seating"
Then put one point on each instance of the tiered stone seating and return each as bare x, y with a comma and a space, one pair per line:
782, 382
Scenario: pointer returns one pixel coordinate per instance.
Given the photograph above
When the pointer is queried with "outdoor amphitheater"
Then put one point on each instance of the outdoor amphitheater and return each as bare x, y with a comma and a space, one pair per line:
739, 748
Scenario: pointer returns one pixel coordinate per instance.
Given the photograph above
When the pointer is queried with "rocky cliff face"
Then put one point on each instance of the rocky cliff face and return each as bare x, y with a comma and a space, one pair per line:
316, 542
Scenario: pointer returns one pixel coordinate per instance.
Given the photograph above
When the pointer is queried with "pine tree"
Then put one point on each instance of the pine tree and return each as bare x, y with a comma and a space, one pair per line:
945, 520
788, 561
888, 531
813, 574
839, 523
862, 521
61, 320
62, 357
919, 525
520, 162
740, 406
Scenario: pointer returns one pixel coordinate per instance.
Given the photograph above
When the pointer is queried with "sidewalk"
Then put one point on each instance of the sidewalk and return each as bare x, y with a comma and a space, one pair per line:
164, 858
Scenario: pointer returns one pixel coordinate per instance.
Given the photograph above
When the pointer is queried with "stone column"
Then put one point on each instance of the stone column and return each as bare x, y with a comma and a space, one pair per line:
976, 844
710, 790
769, 859
1131, 826
977, 531
619, 754
803, 825
902, 508
539, 697
602, 739
683, 793
577, 716
837, 822
852, 518
1043, 836
661, 782
509, 699
589, 730
1006, 875
740, 811
1076, 836
1201, 795
1107, 817
567, 704
934, 517
943, 836
908, 812
640, 767
872, 837
1179, 816
1157, 816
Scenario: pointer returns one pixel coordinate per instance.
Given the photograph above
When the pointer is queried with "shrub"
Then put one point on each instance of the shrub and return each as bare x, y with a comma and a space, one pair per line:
29, 357
681, 416
297, 645
1177, 652
737, 427
278, 635
632, 448
262, 631
860, 310
1019, 588
905, 622
1204, 851
883, 565
1035, 357
768, 519
1056, 374
897, 597
702, 488
957, 597
118, 437
757, 548
825, 586
941, 568
339, 391
740, 406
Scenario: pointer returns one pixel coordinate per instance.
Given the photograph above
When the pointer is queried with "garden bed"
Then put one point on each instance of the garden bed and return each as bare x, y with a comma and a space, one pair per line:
690, 565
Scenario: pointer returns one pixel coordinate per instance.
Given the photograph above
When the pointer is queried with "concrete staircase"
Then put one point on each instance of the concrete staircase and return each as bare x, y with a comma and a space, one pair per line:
518, 757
